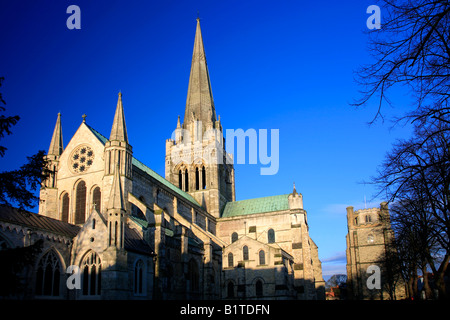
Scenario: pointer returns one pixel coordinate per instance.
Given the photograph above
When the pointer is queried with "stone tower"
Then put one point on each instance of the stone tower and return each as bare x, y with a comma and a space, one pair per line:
368, 241
196, 160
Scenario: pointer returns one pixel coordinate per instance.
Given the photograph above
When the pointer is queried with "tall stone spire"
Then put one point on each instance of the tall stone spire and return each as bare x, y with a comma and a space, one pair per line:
119, 128
199, 102
56, 145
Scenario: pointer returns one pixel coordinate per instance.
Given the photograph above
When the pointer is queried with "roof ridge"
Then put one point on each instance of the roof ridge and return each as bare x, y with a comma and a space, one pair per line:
151, 172
277, 195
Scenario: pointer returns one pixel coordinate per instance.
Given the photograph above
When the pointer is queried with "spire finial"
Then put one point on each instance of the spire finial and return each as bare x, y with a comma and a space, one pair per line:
295, 191
84, 117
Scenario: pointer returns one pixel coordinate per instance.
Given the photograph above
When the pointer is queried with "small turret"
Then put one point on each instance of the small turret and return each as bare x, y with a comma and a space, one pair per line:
54, 152
295, 200
118, 151
56, 145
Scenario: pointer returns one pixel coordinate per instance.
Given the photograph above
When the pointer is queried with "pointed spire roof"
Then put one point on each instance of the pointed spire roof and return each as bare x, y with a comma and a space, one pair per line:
119, 128
199, 102
56, 145
294, 193
116, 196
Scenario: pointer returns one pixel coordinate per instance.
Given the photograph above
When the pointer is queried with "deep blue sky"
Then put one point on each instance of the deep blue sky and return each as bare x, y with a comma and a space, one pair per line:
286, 65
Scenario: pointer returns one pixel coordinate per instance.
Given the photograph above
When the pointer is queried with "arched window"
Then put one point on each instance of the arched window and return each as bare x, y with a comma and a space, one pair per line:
259, 288
65, 201
368, 218
186, 180
245, 253
197, 179
230, 290
97, 198
230, 260
271, 236
3, 244
234, 237
193, 276
91, 268
203, 177
48, 275
262, 257
80, 204
138, 278
180, 180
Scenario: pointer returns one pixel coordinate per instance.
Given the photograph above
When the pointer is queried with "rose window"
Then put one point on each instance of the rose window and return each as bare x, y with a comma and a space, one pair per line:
81, 159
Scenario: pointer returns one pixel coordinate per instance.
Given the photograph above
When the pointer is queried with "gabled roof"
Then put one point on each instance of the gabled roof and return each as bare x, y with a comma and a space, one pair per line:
133, 240
37, 221
136, 163
257, 205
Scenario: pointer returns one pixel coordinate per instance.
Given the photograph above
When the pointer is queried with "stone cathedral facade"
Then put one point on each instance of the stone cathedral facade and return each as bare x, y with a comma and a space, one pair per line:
133, 234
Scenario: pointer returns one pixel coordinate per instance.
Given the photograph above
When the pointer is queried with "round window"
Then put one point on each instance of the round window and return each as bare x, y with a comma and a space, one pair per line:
81, 159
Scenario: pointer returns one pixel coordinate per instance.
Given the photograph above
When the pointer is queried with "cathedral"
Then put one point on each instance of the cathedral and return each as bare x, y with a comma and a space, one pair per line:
109, 227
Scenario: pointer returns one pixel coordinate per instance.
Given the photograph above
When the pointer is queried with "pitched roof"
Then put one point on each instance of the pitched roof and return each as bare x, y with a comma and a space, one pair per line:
134, 242
257, 205
136, 163
37, 221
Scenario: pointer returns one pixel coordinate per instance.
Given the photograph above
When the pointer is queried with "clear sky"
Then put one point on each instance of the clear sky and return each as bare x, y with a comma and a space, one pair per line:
286, 65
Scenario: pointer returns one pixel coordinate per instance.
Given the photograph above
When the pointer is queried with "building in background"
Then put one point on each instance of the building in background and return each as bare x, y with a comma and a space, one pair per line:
369, 244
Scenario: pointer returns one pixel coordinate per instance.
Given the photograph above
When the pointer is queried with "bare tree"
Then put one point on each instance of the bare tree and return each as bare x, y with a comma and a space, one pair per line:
411, 49
415, 177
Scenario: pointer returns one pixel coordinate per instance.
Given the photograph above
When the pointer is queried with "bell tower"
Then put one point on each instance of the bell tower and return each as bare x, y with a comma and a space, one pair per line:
196, 160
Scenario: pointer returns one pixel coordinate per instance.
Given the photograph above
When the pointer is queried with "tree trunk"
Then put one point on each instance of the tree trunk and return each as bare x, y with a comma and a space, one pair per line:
439, 279
426, 284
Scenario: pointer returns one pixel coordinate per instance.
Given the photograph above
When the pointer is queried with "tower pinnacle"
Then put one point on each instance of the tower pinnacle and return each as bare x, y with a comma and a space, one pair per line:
56, 144
119, 128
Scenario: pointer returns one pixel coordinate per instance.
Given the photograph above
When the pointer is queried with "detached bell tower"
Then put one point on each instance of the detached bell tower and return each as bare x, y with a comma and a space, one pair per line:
196, 160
